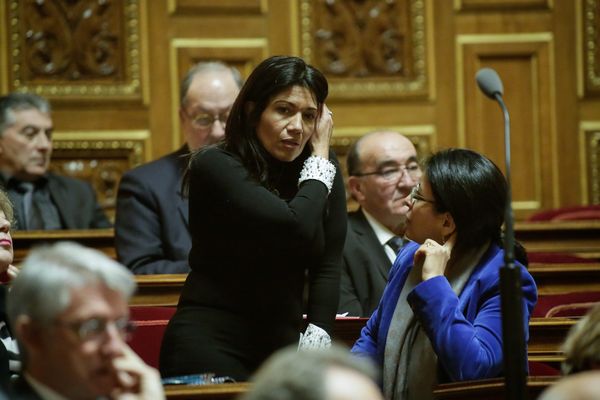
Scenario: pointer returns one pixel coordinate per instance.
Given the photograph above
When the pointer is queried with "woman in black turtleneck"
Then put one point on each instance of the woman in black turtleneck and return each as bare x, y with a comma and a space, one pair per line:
267, 209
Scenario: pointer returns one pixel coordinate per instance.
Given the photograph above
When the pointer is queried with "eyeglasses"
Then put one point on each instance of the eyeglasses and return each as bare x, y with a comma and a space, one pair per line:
397, 172
205, 120
415, 195
94, 329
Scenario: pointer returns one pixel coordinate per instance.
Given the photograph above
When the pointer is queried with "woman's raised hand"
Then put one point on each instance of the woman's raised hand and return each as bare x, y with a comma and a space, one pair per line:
322, 135
434, 257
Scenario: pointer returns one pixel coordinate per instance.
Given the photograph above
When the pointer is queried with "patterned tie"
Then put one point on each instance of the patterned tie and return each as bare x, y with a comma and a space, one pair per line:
395, 243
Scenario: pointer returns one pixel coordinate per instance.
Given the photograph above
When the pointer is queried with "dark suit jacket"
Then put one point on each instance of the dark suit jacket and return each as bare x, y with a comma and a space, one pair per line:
151, 225
365, 268
76, 203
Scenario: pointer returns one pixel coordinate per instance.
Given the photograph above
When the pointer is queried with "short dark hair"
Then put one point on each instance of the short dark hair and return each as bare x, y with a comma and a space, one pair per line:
17, 102
269, 78
473, 190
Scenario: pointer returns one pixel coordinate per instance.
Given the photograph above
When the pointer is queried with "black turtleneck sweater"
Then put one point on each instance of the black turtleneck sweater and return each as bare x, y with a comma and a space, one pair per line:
252, 245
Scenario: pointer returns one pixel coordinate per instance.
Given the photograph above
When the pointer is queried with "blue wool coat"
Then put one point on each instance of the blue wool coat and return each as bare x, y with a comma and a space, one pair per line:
465, 331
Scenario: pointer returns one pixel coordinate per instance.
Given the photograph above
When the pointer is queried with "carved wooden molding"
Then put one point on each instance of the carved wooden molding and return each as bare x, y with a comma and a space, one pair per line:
590, 45
100, 158
589, 149
373, 49
184, 7
494, 5
73, 50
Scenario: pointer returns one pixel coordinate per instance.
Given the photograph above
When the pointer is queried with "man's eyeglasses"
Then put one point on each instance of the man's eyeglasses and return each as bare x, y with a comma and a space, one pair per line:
94, 329
397, 172
205, 120
416, 196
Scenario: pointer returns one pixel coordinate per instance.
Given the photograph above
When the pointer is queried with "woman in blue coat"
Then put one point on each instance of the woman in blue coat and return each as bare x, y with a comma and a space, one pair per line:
439, 319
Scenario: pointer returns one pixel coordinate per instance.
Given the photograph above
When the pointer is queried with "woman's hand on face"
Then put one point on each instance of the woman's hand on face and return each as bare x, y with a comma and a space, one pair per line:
322, 134
434, 257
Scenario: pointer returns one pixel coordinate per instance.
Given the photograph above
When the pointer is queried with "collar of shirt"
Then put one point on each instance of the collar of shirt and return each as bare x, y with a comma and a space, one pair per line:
42, 390
383, 234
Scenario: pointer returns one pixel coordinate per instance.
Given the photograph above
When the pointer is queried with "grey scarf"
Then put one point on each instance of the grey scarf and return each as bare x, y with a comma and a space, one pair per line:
410, 364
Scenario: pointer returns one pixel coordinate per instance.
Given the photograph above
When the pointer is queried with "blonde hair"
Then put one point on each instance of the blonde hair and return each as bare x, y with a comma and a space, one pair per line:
6, 207
582, 345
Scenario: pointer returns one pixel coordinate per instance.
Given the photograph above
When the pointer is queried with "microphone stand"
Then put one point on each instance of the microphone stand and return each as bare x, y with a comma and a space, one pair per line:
513, 338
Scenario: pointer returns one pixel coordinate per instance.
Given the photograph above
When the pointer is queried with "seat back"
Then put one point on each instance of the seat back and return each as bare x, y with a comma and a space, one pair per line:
575, 213
151, 323
575, 304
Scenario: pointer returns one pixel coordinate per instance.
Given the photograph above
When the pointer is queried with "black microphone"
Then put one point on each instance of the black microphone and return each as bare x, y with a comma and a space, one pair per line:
515, 357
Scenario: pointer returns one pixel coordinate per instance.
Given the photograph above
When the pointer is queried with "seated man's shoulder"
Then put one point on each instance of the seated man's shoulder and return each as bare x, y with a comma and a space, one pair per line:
171, 161
69, 182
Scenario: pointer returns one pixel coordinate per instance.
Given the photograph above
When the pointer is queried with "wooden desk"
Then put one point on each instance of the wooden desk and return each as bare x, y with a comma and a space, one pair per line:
158, 290
100, 239
576, 237
565, 278
490, 389
226, 391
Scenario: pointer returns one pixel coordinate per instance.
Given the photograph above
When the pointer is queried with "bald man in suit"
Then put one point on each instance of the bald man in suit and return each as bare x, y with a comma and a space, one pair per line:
382, 168
151, 224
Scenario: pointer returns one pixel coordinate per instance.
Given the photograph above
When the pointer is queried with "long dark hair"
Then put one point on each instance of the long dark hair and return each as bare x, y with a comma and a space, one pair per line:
473, 190
270, 77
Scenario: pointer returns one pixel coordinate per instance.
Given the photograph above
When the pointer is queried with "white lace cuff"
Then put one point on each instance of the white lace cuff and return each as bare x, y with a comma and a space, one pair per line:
314, 338
320, 169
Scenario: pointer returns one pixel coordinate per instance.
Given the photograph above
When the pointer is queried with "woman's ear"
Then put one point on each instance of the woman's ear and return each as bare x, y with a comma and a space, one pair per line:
448, 226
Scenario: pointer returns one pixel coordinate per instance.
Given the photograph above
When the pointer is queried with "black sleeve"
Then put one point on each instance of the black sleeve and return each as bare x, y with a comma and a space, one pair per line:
138, 231
349, 301
221, 187
324, 277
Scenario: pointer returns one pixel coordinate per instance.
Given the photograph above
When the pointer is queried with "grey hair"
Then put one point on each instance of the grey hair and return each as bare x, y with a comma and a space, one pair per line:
18, 102
290, 374
42, 290
206, 66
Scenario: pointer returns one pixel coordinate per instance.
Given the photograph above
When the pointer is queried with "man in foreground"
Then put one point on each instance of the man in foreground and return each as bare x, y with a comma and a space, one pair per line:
69, 310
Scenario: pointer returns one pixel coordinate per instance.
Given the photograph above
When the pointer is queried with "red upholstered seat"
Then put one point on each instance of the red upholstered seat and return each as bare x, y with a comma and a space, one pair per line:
556, 258
537, 368
150, 327
568, 214
574, 304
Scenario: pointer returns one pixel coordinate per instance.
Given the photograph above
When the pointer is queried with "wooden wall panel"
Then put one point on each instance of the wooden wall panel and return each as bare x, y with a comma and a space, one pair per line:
376, 49
525, 64
589, 153
546, 52
588, 29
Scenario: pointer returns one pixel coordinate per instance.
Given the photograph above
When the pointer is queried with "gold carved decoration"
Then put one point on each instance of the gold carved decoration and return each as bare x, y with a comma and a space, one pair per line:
76, 49
375, 48
590, 45
187, 7
590, 162
100, 158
